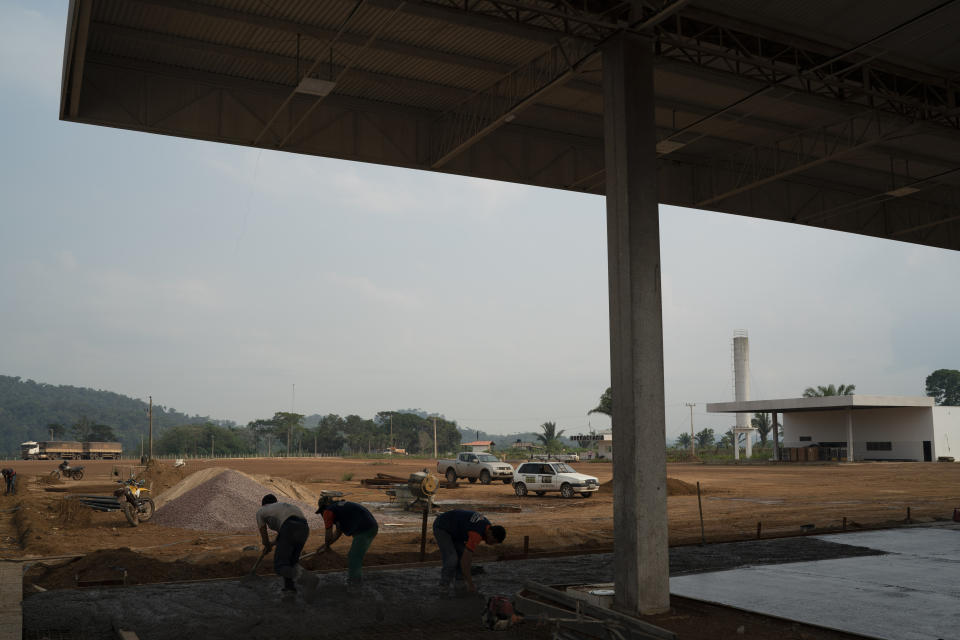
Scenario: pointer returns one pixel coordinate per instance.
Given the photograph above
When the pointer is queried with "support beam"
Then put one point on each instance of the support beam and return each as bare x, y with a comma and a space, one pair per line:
641, 570
84, 10
849, 434
776, 439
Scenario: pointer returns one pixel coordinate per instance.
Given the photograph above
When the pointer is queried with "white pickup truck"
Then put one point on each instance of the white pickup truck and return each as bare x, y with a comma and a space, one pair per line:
484, 467
541, 477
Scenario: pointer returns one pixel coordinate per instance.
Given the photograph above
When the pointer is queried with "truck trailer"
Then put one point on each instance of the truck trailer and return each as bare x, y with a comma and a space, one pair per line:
70, 450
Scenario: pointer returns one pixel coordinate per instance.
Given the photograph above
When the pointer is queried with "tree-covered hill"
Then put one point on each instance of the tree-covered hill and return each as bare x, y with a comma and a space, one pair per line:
28, 409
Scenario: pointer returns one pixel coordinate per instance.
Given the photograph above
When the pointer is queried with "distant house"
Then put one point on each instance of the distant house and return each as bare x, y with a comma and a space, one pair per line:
478, 446
526, 446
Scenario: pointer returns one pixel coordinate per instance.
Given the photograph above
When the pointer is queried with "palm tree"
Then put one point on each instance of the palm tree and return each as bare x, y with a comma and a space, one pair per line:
761, 422
829, 390
704, 438
605, 406
550, 436
684, 440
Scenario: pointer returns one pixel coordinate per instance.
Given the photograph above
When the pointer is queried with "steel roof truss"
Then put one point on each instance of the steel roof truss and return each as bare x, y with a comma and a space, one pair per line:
775, 63
486, 110
761, 164
323, 34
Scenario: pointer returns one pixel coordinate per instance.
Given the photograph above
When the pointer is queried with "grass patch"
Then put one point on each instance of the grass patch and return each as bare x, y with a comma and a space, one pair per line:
346, 477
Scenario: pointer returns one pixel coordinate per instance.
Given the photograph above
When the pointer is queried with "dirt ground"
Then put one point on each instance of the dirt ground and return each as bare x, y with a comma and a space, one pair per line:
778, 499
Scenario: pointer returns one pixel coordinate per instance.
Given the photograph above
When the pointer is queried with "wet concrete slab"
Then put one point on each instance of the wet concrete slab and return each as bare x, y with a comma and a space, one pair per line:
258, 611
389, 597
912, 592
11, 582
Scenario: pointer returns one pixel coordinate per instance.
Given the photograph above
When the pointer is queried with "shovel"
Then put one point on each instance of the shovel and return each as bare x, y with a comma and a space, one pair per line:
252, 577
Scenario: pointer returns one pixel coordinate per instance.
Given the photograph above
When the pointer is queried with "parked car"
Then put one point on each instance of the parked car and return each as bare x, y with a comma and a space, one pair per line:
484, 467
541, 477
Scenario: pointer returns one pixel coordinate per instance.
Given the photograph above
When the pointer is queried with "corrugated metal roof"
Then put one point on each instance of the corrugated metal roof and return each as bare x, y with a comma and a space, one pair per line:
433, 56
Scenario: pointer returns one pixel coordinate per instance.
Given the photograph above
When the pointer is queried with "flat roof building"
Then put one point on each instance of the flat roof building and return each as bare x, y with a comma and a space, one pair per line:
862, 427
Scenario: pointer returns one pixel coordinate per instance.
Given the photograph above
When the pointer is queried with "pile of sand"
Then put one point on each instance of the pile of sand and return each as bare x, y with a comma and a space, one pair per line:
674, 488
219, 499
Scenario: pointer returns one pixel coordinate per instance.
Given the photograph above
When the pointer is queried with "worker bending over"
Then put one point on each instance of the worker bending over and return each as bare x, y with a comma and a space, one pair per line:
292, 533
9, 480
348, 518
458, 532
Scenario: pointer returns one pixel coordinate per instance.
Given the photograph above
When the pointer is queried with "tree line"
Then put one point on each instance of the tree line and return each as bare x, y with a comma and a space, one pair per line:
292, 434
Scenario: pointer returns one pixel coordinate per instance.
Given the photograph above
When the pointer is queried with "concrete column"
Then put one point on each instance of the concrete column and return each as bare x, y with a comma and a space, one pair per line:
736, 444
849, 434
749, 438
776, 444
641, 570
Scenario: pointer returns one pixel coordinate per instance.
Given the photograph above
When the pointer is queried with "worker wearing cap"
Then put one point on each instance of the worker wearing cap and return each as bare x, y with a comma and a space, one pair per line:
10, 481
292, 532
348, 518
458, 532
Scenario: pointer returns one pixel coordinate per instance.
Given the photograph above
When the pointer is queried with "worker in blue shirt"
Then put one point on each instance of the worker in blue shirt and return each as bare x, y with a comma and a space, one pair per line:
458, 532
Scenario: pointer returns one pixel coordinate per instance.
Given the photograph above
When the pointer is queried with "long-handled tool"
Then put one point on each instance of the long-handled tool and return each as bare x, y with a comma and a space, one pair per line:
252, 577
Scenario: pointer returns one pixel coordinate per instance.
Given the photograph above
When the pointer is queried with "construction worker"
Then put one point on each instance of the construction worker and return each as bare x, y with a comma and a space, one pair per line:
458, 532
10, 481
292, 533
348, 518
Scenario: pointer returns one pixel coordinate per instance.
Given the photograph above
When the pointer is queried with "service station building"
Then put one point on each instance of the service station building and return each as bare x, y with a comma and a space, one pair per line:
879, 427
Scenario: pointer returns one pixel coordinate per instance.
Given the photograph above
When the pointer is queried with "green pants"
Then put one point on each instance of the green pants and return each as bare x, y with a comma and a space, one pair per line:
361, 542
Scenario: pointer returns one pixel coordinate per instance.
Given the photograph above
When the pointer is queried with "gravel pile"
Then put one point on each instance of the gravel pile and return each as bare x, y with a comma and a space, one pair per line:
226, 502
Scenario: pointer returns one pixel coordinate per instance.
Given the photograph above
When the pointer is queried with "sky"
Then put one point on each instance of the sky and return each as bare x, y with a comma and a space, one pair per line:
234, 282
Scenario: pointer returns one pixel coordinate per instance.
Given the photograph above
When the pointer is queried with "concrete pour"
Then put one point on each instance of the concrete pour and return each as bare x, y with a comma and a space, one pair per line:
910, 593
389, 598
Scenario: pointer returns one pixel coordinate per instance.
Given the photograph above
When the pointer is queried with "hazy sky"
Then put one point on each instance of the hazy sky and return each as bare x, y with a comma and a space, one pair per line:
215, 278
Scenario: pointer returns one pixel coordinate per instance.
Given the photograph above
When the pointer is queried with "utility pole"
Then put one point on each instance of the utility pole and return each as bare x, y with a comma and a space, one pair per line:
391, 431
150, 439
693, 440
435, 437
211, 445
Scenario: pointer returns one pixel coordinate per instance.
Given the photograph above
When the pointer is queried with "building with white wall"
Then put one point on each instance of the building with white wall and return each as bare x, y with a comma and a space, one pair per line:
602, 441
478, 446
879, 427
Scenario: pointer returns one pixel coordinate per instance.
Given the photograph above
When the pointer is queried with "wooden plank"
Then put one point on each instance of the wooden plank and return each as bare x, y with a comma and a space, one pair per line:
645, 629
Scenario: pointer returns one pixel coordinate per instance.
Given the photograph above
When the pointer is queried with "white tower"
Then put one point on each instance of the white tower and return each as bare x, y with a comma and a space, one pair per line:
741, 386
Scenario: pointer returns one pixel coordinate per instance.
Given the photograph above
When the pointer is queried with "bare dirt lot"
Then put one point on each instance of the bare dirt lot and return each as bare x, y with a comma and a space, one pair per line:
781, 500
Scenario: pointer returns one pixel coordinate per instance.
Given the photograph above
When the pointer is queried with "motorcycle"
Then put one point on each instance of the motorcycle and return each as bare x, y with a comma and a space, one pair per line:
137, 506
74, 473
